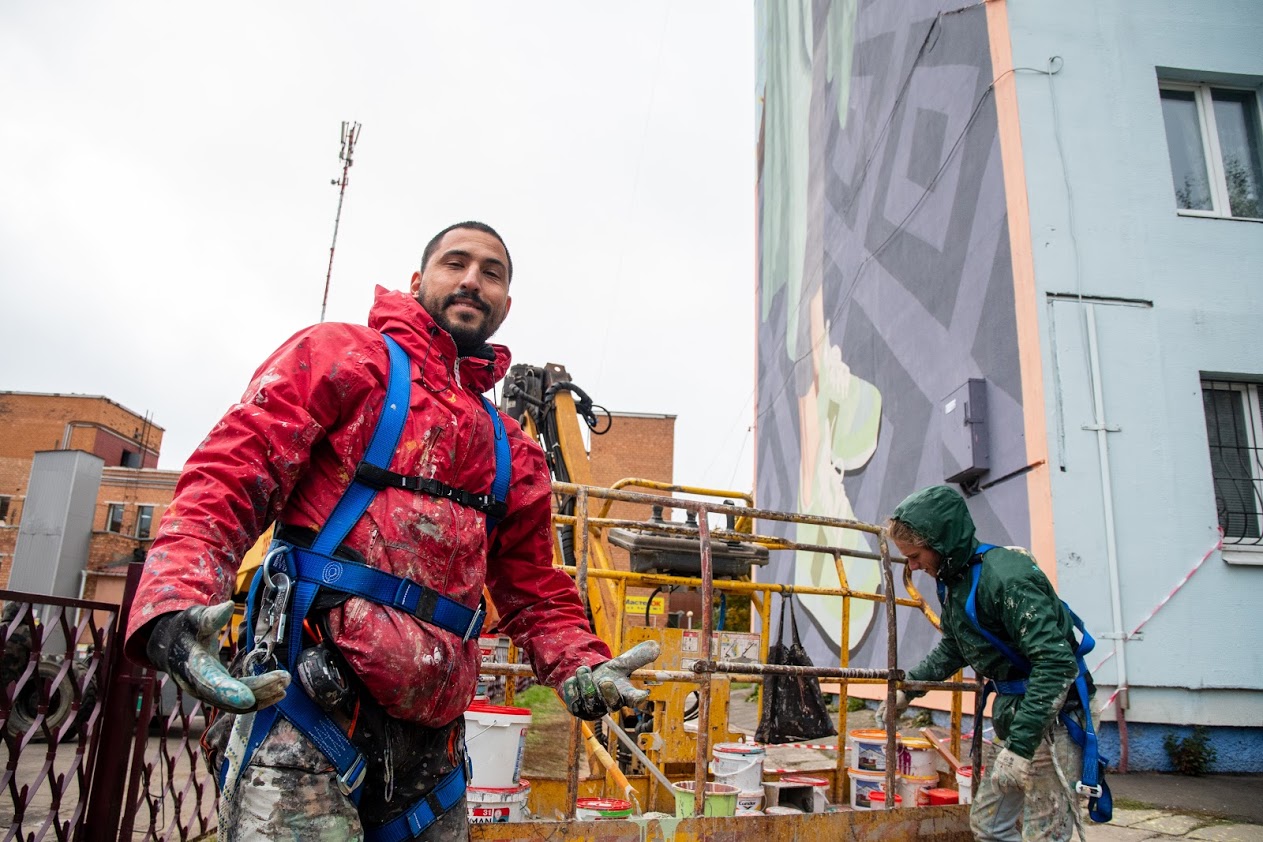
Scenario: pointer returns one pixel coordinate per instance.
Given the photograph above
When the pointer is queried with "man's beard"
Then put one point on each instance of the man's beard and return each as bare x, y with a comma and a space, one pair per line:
468, 338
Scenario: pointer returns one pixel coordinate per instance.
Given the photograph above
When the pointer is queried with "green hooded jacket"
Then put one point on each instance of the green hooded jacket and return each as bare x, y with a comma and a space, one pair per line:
1015, 602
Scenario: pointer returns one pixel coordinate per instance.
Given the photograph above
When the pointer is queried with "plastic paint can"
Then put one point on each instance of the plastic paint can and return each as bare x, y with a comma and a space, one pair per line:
493, 805
964, 784
495, 737
877, 800
916, 757
915, 789
863, 784
738, 764
601, 809
869, 752
718, 800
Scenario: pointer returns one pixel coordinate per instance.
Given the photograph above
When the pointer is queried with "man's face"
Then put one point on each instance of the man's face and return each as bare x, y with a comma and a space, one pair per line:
920, 558
465, 286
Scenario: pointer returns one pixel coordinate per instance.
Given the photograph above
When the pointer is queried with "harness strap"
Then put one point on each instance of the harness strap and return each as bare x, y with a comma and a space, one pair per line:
380, 479
381, 449
427, 604
504, 464
1092, 782
424, 813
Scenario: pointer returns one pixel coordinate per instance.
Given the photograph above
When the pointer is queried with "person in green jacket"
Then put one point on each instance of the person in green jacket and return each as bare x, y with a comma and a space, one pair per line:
1030, 769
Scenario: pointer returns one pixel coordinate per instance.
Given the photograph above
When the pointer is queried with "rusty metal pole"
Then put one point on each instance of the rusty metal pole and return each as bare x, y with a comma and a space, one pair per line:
581, 582
892, 663
704, 683
117, 722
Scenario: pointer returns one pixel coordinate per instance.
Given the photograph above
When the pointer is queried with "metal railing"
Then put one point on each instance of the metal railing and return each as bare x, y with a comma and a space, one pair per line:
98, 747
587, 532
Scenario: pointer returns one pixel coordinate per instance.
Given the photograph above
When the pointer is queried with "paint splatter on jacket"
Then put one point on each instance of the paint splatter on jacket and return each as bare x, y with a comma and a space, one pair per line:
1015, 602
288, 450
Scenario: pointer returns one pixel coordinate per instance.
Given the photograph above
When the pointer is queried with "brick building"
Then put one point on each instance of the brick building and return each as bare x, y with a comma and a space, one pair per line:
133, 493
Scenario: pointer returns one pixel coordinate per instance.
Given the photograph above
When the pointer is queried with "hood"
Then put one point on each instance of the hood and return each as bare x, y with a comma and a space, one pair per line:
940, 514
399, 314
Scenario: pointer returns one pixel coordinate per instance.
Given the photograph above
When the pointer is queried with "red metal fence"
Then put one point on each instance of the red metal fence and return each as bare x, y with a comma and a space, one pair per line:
97, 748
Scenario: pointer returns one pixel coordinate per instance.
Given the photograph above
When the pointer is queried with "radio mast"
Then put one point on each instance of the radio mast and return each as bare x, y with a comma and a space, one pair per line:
350, 134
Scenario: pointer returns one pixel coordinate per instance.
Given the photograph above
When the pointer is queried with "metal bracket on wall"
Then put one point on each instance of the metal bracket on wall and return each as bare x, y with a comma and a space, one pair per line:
1109, 428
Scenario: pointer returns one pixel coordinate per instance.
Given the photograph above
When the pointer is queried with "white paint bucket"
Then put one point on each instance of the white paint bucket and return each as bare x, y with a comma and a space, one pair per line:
869, 752
749, 802
739, 765
915, 789
495, 737
916, 757
964, 783
862, 785
493, 805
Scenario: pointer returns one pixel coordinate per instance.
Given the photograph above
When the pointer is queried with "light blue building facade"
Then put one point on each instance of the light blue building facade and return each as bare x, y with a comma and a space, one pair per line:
1174, 296
1060, 205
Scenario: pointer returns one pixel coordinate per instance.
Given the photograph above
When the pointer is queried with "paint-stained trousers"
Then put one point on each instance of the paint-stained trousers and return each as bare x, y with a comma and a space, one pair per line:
289, 790
1047, 810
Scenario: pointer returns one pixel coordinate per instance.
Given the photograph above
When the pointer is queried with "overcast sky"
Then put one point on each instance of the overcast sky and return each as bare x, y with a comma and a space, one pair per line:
166, 208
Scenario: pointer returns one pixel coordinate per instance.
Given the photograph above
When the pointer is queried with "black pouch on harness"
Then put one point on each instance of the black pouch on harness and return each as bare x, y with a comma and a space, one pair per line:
793, 705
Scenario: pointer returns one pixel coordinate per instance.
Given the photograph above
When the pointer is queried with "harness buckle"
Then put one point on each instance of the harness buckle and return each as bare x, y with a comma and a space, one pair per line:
353, 778
1089, 791
475, 624
274, 609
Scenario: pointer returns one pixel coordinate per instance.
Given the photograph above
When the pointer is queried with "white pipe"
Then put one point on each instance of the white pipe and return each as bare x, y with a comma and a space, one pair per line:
1107, 499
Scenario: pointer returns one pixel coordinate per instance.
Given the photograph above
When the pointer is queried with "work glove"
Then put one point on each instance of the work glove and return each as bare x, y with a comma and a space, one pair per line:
185, 644
593, 692
1011, 771
901, 704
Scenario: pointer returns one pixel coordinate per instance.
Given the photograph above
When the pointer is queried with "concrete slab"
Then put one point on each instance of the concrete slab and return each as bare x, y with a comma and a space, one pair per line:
1172, 825
1229, 833
1227, 796
1110, 833
1128, 818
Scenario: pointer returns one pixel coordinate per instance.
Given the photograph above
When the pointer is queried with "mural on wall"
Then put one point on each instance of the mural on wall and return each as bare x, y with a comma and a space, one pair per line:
884, 282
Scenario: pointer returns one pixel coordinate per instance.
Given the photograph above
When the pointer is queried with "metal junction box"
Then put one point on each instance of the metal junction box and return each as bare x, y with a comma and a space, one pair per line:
966, 438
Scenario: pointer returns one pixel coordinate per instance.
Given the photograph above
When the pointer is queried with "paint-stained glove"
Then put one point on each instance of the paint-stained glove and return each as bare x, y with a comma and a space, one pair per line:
593, 692
1011, 771
185, 644
901, 704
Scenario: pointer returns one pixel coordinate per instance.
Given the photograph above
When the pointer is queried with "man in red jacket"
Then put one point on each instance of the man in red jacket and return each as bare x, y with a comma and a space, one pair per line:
286, 453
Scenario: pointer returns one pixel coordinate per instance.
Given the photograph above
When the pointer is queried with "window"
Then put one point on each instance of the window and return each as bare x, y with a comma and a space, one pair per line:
1213, 141
114, 517
144, 521
4, 510
1234, 429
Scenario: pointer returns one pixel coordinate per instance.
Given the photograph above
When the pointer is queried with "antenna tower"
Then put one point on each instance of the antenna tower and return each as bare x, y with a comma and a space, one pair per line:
350, 134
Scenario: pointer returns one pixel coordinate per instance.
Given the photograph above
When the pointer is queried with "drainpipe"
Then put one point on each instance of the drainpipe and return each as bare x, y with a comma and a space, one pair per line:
1111, 543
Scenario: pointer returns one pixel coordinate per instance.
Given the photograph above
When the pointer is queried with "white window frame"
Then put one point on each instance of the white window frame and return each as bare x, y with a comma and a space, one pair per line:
122, 516
1210, 144
1233, 553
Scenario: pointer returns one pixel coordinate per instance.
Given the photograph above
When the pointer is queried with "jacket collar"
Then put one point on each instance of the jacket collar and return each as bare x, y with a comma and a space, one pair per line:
399, 314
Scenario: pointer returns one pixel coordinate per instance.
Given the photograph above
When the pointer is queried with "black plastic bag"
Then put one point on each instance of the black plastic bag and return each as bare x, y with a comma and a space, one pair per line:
793, 706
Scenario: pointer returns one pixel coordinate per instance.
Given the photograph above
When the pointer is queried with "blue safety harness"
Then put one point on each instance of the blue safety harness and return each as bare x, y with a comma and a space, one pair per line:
1092, 783
290, 577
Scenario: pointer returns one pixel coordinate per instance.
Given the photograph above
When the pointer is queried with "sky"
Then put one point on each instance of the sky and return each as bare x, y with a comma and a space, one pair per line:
167, 209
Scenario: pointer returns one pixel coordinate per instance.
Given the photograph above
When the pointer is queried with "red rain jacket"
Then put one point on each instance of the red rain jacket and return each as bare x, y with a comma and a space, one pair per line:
288, 450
